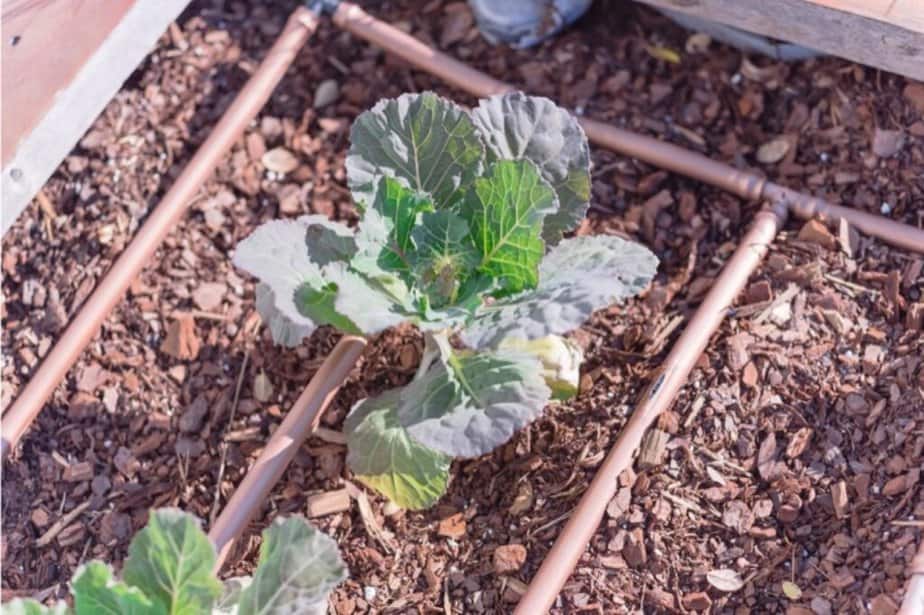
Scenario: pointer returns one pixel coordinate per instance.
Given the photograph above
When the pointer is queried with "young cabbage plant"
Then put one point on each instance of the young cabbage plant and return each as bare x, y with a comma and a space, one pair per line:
461, 233
170, 571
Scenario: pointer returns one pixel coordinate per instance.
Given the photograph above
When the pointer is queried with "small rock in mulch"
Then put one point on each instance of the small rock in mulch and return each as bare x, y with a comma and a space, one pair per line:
327, 93
209, 295
114, 527
508, 559
887, 143
192, 417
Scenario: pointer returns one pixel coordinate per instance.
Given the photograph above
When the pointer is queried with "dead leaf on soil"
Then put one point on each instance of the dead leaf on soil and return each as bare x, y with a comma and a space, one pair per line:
725, 579
773, 151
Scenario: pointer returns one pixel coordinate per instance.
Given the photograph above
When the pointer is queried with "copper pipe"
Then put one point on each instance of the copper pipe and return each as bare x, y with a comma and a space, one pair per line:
301, 420
586, 517
807, 207
302, 23
356, 21
745, 184
913, 604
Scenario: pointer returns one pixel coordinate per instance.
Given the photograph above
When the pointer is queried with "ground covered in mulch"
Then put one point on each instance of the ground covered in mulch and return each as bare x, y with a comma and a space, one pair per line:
793, 455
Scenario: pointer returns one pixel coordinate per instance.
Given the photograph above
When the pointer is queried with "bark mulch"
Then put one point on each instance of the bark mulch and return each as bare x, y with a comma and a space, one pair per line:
786, 478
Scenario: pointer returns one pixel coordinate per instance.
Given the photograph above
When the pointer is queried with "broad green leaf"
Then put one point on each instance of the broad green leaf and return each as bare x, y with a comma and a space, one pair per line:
298, 568
468, 404
505, 209
423, 140
97, 593
517, 126
28, 606
446, 256
400, 208
280, 255
561, 361
576, 278
319, 304
171, 561
382, 455
363, 301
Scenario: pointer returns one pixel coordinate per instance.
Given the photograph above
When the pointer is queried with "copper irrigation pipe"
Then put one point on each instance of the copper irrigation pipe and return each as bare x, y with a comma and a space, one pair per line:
913, 604
302, 23
673, 374
585, 518
658, 153
301, 420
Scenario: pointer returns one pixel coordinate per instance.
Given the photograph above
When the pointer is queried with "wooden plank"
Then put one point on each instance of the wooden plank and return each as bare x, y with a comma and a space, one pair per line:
62, 61
908, 14
836, 27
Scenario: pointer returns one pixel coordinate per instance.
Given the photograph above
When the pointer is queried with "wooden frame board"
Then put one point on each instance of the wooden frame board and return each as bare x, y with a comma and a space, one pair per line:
886, 34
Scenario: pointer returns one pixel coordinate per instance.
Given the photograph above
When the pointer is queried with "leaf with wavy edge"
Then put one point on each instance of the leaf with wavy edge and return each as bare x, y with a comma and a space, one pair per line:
505, 209
97, 593
516, 126
171, 562
426, 141
383, 456
297, 569
467, 404
576, 278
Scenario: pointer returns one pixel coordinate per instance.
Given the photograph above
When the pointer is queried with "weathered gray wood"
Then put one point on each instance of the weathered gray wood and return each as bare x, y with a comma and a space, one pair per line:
876, 41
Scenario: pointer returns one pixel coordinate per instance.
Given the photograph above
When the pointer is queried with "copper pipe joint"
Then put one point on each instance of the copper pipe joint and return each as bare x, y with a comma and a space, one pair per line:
301, 420
164, 218
586, 516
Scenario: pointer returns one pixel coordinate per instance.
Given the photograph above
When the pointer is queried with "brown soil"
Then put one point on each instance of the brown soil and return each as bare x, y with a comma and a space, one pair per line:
793, 454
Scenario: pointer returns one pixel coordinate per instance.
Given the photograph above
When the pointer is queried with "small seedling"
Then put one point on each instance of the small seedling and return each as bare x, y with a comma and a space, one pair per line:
461, 233
170, 571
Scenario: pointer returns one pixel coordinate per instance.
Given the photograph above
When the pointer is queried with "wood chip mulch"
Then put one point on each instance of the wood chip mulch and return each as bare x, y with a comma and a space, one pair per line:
785, 479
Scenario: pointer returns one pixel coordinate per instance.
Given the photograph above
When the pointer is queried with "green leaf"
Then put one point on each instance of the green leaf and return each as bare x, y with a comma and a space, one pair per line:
287, 256
577, 277
468, 404
516, 126
97, 593
446, 256
425, 141
505, 209
28, 606
319, 304
400, 208
382, 455
171, 561
298, 568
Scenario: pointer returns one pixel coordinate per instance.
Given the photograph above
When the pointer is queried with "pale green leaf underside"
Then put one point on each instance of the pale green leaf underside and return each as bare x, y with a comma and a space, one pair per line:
287, 257
298, 568
171, 562
505, 210
517, 126
577, 277
422, 139
382, 455
470, 403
